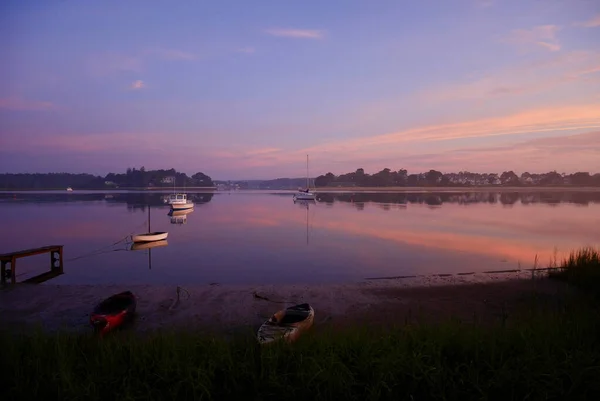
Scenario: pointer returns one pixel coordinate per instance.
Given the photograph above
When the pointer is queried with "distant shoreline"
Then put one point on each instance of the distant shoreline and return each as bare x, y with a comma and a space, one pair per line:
167, 189
331, 189
458, 189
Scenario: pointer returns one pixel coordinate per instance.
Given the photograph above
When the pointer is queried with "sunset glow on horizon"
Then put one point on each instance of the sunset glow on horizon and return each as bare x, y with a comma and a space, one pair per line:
245, 90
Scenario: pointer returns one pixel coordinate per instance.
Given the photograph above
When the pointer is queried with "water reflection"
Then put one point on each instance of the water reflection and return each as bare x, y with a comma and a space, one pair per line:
133, 200
305, 204
140, 246
263, 238
464, 198
179, 216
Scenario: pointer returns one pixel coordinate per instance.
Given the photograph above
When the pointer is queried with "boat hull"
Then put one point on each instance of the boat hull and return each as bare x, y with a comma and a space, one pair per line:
305, 196
182, 206
138, 246
150, 237
287, 324
113, 312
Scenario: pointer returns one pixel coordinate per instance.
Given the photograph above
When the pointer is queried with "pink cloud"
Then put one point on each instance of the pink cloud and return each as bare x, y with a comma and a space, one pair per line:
296, 33
171, 54
591, 23
539, 36
18, 104
136, 85
529, 78
564, 153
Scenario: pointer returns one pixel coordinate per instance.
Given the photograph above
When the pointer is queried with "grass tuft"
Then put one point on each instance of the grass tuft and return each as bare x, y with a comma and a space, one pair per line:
581, 268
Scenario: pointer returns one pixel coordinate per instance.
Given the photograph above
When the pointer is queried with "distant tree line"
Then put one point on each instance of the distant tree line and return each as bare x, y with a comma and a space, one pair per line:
132, 178
401, 178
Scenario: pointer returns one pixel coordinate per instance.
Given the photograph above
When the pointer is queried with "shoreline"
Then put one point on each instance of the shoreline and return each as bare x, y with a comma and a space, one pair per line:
491, 188
457, 189
225, 308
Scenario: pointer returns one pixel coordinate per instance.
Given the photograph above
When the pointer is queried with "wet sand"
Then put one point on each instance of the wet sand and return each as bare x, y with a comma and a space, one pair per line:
225, 308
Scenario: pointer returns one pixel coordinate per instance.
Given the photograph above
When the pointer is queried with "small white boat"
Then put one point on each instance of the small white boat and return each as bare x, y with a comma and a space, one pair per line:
150, 236
69, 189
305, 194
180, 202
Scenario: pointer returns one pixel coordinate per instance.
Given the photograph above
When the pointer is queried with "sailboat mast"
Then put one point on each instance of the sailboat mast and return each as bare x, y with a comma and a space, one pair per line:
149, 218
307, 184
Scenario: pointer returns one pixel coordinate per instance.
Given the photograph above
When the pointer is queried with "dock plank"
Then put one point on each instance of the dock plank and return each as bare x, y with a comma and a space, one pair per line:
30, 252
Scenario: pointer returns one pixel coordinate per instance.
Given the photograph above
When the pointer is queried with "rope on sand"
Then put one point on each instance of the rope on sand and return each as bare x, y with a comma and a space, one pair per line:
176, 301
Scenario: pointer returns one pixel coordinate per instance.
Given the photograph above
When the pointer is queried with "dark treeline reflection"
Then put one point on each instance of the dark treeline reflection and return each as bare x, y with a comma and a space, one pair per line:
133, 201
464, 198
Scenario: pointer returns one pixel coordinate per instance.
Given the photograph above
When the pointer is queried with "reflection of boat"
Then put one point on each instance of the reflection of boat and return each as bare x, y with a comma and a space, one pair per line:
150, 236
179, 216
179, 219
305, 194
113, 312
180, 202
287, 324
180, 212
69, 189
306, 204
139, 246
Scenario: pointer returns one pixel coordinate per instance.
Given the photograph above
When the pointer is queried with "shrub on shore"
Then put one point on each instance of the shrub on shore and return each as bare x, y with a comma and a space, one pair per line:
581, 268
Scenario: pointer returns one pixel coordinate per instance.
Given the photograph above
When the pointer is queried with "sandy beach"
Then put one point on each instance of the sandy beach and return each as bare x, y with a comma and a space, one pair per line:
224, 308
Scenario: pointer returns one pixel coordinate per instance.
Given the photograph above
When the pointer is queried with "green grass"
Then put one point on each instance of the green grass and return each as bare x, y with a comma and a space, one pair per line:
548, 353
547, 350
582, 269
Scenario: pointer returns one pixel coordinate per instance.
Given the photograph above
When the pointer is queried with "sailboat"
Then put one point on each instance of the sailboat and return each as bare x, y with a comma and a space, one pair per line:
150, 236
305, 194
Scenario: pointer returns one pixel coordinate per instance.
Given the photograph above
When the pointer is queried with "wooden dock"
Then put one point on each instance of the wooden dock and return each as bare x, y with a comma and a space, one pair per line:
56, 263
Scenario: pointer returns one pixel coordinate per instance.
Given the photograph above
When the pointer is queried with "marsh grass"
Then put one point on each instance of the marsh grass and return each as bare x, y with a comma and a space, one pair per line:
543, 354
581, 268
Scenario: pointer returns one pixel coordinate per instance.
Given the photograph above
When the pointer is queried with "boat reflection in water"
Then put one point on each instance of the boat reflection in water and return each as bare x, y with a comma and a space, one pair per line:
140, 246
305, 204
179, 216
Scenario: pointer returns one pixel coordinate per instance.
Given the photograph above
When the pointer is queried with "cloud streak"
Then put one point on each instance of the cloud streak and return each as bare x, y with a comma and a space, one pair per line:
171, 54
19, 104
109, 63
591, 23
246, 50
296, 33
136, 85
539, 36
522, 79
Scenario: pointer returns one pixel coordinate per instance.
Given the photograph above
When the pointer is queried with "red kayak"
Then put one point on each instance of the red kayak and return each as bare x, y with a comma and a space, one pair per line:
113, 312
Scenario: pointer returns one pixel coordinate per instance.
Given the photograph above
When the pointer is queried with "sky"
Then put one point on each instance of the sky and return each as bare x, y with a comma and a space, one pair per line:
247, 89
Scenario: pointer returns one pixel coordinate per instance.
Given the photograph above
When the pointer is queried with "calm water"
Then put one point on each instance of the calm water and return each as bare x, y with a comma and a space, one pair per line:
261, 238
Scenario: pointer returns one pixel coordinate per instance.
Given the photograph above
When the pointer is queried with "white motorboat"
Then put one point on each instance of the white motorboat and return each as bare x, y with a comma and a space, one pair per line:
69, 189
305, 194
180, 202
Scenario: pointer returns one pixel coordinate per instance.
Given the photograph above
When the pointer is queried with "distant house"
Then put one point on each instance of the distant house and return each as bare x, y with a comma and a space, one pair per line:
167, 180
